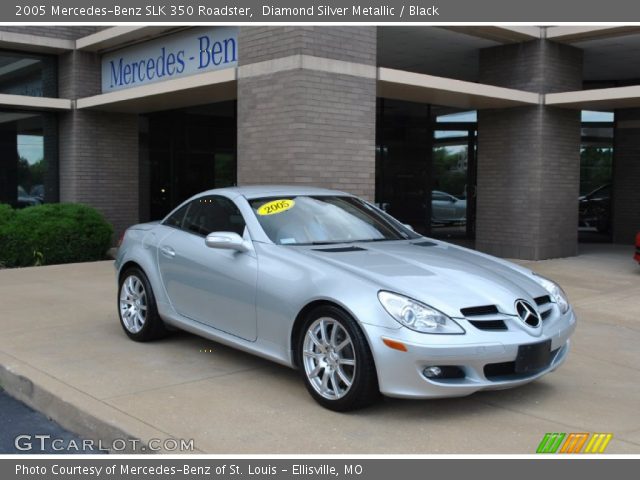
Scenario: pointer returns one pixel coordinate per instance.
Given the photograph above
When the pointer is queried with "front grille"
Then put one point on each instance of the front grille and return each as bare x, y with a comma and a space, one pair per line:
543, 300
502, 369
489, 324
477, 311
544, 315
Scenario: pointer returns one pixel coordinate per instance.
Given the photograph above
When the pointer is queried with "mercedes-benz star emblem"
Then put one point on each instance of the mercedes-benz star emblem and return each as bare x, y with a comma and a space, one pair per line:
527, 313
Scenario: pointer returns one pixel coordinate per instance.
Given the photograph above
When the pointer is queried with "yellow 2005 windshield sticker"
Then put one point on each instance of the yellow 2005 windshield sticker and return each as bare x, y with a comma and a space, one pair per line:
276, 206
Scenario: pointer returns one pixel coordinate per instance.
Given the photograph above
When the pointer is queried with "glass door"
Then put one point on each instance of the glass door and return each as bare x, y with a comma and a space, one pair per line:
596, 177
453, 191
184, 152
403, 152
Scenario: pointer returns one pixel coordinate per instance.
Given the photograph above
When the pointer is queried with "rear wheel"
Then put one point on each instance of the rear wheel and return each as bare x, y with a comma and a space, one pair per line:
137, 307
335, 360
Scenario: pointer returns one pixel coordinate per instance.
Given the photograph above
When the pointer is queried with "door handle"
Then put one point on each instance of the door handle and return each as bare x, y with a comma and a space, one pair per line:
168, 252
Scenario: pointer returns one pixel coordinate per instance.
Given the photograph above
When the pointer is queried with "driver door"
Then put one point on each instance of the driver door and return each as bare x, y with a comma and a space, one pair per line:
213, 286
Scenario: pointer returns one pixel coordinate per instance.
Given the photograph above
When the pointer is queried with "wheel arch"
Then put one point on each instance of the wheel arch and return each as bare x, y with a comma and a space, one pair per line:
300, 318
127, 265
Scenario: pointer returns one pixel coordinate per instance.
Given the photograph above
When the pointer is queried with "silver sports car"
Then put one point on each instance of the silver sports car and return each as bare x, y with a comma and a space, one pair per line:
322, 281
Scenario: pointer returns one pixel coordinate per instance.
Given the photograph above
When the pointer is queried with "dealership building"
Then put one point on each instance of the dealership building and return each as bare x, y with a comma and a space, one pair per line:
521, 141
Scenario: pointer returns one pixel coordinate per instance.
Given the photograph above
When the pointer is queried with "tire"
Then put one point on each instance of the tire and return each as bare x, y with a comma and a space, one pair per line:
137, 307
337, 366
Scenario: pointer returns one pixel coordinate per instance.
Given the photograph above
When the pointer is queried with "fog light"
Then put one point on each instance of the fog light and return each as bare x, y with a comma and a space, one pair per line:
432, 372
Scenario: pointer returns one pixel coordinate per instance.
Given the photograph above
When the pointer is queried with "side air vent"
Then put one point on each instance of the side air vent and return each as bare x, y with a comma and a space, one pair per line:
543, 300
477, 311
340, 249
489, 324
425, 244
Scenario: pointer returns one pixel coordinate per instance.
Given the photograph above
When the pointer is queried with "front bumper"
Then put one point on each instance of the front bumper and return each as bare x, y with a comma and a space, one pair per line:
485, 358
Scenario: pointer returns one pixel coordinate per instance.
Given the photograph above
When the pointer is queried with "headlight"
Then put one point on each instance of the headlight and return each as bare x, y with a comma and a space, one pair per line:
555, 292
417, 316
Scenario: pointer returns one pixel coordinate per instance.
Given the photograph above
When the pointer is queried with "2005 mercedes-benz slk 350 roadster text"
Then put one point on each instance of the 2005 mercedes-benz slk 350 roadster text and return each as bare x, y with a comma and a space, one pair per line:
327, 283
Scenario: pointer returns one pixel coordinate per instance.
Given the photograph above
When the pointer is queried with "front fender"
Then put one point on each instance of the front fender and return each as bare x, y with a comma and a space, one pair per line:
289, 281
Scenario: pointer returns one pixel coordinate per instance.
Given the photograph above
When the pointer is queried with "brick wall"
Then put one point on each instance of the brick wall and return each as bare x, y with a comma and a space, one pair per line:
529, 157
78, 74
98, 151
354, 44
535, 66
626, 176
306, 126
528, 182
99, 164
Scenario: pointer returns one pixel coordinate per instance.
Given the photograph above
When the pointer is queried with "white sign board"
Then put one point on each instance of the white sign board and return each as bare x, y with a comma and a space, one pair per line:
189, 52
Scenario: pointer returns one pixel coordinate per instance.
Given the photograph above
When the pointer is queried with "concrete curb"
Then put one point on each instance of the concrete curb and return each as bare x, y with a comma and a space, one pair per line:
75, 411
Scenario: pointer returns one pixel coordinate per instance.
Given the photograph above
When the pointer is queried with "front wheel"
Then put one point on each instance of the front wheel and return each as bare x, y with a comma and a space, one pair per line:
336, 362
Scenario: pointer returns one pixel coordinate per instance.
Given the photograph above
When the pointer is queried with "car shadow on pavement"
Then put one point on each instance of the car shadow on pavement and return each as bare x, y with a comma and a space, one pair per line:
533, 393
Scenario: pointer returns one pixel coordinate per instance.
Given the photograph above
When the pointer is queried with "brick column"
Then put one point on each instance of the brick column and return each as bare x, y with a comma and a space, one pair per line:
626, 176
306, 107
529, 157
98, 151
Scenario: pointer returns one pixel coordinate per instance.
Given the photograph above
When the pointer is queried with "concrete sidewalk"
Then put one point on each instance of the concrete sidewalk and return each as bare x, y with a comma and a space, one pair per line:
63, 352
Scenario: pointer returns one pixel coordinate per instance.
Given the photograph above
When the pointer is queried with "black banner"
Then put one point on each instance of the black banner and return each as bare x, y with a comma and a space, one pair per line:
315, 11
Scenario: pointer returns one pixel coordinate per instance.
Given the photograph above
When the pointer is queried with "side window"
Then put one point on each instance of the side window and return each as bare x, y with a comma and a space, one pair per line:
176, 218
213, 214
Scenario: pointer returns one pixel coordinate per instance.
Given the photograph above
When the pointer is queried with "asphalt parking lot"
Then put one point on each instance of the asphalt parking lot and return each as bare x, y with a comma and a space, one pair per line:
62, 351
18, 420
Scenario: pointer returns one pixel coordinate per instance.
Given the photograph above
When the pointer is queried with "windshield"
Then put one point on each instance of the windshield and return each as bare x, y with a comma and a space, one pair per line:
322, 220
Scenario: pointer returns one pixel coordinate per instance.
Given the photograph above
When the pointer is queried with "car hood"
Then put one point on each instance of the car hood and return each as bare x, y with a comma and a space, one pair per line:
441, 275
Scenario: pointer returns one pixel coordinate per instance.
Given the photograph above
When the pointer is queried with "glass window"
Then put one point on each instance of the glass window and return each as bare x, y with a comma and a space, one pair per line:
321, 220
213, 214
596, 176
591, 116
403, 149
464, 117
176, 219
184, 152
27, 74
28, 158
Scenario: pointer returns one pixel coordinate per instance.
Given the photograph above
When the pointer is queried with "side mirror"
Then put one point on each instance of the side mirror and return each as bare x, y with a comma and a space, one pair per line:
406, 225
226, 240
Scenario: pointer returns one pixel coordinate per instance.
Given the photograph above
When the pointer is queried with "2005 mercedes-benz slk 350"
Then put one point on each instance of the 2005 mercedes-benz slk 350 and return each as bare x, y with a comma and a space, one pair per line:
327, 283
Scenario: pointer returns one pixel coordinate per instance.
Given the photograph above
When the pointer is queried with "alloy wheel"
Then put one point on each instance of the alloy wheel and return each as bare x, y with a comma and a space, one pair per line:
329, 358
133, 304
